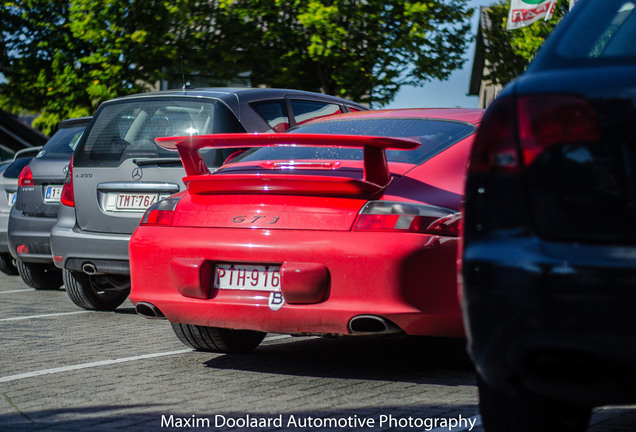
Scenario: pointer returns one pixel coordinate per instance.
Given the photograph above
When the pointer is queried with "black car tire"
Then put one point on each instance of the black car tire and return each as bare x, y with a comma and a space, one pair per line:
85, 291
501, 412
40, 276
215, 339
6, 264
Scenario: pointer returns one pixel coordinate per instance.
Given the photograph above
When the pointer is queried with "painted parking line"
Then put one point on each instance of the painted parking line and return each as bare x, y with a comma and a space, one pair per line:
88, 365
17, 291
103, 362
20, 318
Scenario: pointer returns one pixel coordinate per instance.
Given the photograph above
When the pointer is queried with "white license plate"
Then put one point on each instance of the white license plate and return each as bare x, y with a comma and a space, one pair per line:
11, 198
247, 277
135, 201
52, 194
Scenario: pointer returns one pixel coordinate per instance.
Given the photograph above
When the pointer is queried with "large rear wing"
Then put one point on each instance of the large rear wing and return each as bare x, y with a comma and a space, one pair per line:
375, 177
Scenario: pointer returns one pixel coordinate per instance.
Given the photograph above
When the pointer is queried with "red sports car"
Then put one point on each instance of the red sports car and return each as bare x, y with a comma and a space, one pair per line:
344, 226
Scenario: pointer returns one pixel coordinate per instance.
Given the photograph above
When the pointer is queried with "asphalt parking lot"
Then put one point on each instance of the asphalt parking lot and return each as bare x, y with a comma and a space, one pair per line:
66, 369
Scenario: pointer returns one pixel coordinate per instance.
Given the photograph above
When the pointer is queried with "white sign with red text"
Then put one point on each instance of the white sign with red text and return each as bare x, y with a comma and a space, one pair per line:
525, 12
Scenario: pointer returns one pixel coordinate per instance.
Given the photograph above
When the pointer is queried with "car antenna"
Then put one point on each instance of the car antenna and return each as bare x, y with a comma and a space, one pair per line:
186, 85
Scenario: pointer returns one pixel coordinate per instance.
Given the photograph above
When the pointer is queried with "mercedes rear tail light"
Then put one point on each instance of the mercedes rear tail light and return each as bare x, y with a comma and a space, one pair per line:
26, 177
408, 217
68, 198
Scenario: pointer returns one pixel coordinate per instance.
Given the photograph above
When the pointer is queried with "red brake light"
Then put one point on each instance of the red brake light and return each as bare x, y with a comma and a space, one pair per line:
160, 214
68, 198
535, 123
408, 217
548, 120
26, 177
158, 217
494, 149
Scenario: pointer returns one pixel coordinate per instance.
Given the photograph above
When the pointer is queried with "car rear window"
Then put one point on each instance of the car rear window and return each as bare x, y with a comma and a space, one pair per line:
306, 110
435, 136
62, 143
275, 112
127, 129
603, 31
16, 167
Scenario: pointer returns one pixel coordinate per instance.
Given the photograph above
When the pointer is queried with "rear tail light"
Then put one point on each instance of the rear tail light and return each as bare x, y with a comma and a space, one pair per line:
161, 213
68, 198
408, 217
545, 121
26, 177
495, 144
536, 123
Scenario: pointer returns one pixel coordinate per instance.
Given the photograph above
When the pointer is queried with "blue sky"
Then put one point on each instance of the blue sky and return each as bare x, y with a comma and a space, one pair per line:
449, 93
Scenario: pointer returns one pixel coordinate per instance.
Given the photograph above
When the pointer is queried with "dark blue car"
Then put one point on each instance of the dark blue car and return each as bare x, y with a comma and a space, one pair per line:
549, 257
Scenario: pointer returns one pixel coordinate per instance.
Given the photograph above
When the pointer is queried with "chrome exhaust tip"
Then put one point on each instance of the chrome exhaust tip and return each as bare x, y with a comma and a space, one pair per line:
89, 268
148, 310
371, 325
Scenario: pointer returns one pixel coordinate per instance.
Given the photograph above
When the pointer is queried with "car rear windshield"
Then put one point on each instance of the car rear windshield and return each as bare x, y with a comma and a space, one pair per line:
16, 167
127, 129
434, 136
603, 32
62, 143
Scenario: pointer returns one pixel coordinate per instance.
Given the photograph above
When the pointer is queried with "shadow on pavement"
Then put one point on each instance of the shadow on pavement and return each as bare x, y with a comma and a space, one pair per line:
416, 360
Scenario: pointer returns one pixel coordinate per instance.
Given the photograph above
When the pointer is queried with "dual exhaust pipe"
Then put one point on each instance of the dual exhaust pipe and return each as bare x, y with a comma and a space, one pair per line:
359, 325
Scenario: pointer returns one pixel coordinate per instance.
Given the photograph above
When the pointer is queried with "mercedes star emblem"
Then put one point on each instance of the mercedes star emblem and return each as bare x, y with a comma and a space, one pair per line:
137, 174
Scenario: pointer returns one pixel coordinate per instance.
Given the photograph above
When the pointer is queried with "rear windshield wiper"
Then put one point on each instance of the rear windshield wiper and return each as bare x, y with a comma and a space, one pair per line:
158, 161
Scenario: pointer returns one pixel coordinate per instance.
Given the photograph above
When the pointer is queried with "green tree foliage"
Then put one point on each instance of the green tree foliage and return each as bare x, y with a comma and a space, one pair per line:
361, 49
62, 58
508, 52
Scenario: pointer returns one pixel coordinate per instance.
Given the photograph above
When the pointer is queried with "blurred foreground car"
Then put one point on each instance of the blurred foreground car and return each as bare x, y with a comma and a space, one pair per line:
549, 260
8, 190
37, 201
118, 171
311, 232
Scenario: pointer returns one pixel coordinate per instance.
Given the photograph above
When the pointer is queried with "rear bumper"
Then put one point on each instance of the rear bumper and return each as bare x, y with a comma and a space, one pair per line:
407, 279
556, 319
72, 248
31, 233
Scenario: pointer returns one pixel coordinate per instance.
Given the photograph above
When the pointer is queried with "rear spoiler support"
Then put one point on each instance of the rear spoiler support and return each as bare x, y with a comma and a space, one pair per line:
376, 170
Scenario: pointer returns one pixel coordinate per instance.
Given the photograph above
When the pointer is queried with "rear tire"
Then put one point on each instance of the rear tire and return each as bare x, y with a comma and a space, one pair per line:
529, 413
216, 339
40, 276
7, 265
93, 293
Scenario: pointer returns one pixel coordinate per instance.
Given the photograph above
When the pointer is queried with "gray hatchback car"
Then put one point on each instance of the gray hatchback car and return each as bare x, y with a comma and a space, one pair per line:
37, 201
118, 171
9, 172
